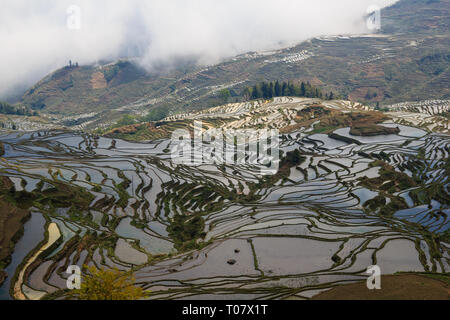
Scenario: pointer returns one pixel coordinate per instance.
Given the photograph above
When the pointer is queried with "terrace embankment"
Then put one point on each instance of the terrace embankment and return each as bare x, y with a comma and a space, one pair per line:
3, 276
53, 235
15, 211
12, 219
372, 130
11, 227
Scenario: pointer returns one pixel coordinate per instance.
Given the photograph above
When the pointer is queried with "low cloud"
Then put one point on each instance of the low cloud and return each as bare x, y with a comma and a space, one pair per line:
36, 39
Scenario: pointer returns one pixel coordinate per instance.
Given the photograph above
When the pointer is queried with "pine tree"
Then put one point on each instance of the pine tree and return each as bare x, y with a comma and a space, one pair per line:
284, 91
277, 89
265, 90
291, 90
255, 92
268, 90
331, 96
247, 93
302, 89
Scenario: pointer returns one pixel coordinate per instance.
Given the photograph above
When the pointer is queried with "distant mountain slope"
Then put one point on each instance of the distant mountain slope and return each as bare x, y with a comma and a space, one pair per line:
417, 16
407, 61
73, 90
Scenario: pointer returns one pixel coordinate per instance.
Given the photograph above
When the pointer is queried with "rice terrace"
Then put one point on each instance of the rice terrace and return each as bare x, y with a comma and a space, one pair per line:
224, 231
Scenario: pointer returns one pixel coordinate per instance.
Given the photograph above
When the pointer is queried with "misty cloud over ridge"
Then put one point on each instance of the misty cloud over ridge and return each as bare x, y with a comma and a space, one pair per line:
35, 39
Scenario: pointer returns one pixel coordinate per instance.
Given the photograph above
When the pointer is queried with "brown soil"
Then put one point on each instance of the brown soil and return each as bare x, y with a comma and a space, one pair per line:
360, 94
313, 81
361, 123
11, 221
393, 287
3, 276
98, 81
372, 130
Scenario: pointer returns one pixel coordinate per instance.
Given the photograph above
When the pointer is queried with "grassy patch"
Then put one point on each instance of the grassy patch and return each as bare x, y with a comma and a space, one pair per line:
186, 230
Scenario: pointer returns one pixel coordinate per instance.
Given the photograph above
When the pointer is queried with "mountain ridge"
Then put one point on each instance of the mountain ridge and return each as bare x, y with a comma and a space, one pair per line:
392, 66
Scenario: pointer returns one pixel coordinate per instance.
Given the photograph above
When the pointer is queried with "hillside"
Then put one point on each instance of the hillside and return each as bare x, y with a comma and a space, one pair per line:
407, 61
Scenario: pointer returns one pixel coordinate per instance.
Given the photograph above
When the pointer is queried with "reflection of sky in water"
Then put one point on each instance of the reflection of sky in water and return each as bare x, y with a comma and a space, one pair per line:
34, 233
405, 130
326, 195
364, 194
151, 244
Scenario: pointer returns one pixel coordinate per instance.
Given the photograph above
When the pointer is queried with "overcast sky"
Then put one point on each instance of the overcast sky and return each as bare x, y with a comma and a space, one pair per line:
40, 36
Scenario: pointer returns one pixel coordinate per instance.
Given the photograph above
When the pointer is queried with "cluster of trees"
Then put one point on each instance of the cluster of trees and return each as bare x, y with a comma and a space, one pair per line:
371, 94
268, 90
6, 108
126, 120
156, 114
73, 65
293, 158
